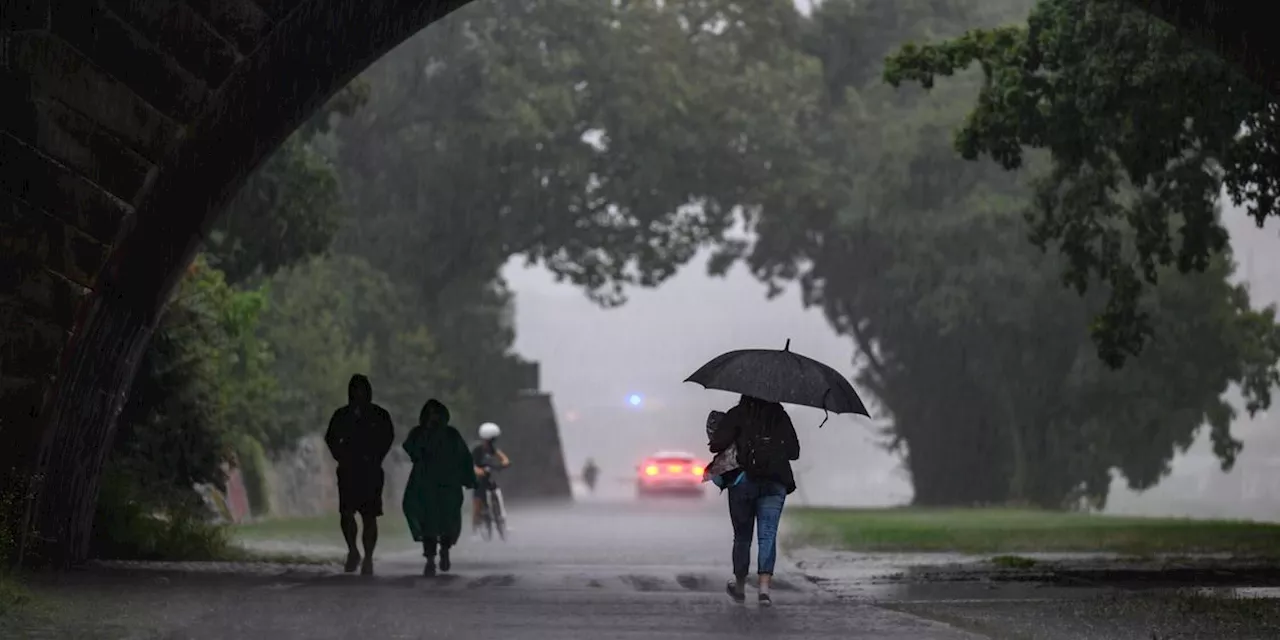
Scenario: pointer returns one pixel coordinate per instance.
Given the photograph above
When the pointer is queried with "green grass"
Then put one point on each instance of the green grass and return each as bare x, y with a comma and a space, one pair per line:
1008, 531
316, 530
1013, 562
324, 528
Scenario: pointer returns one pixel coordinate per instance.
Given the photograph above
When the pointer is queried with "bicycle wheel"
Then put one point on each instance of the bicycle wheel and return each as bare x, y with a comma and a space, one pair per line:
500, 521
486, 516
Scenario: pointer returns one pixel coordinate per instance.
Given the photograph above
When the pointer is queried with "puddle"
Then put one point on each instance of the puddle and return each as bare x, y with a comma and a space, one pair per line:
1266, 593
893, 577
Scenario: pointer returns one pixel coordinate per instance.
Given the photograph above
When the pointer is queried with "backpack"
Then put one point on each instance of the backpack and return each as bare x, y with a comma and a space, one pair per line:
760, 451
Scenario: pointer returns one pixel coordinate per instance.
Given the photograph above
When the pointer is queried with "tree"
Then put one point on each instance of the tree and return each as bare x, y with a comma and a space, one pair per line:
331, 317
291, 207
985, 365
607, 141
201, 388
1140, 156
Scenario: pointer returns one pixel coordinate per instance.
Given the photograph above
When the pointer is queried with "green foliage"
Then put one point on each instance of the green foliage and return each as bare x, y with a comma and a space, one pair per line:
291, 207
199, 389
1140, 151
968, 341
574, 133
127, 526
331, 317
288, 210
251, 459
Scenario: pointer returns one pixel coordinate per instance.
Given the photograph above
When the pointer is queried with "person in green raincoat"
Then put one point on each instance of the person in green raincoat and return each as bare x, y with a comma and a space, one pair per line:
433, 498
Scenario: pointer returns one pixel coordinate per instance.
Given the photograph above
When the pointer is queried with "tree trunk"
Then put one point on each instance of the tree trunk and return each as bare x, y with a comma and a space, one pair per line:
99, 369
1018, 480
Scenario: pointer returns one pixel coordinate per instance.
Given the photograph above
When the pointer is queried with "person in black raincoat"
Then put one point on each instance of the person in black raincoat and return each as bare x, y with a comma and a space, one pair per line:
359, 437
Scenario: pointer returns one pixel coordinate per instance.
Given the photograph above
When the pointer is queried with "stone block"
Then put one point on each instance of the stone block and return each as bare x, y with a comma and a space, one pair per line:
30, 345
28, 233
45, 65
531, 436
44, 184
183, 34
22, 15
40, 293
117, 48
20, 402
77, 142
277, 8
242, 22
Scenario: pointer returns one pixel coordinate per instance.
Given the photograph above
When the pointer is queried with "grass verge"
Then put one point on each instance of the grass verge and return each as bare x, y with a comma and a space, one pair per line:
1008, 531
321, 530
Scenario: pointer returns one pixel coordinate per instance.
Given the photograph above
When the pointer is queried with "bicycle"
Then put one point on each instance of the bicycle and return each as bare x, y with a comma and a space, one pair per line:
493, 511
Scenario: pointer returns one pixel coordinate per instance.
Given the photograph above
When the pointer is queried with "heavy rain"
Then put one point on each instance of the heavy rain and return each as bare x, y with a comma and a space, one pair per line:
905, 319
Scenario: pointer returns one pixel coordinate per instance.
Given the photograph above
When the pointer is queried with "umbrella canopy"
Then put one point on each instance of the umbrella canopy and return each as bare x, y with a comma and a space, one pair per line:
780, 376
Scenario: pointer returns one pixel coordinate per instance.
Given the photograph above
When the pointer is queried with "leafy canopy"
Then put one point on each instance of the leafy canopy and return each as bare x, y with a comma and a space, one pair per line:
1140, 152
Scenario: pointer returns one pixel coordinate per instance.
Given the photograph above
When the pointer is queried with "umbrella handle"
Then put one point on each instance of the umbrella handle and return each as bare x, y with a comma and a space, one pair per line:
826, 415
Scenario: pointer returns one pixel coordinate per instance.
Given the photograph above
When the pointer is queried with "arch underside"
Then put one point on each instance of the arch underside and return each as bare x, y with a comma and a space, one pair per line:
128, 125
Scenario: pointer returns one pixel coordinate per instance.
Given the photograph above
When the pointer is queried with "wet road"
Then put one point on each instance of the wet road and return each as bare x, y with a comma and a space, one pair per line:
653, 570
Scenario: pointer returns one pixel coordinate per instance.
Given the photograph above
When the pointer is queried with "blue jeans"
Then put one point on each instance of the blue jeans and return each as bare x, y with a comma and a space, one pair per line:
755, 505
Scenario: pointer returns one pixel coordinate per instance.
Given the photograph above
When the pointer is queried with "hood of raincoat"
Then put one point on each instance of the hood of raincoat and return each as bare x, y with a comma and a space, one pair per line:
433, 414
359, 385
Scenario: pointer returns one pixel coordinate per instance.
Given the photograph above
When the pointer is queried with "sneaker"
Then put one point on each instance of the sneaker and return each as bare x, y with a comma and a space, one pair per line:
766, 600
738, 595
444, 560
366, 568
430, 569
353, 561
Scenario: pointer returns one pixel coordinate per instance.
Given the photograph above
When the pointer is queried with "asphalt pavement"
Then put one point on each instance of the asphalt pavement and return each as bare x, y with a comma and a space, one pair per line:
653, 569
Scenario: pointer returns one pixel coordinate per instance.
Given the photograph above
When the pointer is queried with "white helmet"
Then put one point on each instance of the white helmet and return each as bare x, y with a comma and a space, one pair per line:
489, 431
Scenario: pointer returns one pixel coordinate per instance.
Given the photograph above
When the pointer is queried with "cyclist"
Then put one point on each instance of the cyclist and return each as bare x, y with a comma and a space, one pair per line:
486, 456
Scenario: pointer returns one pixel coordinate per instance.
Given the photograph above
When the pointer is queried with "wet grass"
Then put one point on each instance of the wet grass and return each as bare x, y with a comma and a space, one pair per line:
314, 530
1010, 531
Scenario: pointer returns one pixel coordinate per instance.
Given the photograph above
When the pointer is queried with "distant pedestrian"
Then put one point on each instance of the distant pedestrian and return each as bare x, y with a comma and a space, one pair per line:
766, 443
589, 474
359, 437
433, 498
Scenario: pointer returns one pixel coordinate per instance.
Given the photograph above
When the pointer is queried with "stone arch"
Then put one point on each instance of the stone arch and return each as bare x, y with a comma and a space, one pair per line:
137, 120
128, 126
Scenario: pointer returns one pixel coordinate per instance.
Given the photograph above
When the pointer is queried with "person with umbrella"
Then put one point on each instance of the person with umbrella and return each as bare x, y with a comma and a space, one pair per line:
763, 443
766, 443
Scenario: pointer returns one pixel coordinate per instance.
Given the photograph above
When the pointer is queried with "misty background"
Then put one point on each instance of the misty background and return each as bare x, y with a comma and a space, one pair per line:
592, 360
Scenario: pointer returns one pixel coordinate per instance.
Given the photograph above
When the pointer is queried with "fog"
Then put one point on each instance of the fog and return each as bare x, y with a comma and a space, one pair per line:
593, 359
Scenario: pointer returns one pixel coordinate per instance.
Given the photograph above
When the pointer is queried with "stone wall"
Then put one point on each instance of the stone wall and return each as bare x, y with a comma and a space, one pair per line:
531, 437
305, 484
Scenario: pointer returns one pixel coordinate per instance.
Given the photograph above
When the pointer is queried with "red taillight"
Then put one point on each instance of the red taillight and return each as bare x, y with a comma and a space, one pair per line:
697, 471
651, 470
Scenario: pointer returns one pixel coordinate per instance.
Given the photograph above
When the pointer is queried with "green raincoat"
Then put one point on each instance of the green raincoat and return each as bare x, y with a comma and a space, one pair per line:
441, 468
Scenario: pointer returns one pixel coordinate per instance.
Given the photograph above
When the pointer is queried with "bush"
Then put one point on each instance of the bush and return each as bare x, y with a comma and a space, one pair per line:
126, 527
12, 594
252, 462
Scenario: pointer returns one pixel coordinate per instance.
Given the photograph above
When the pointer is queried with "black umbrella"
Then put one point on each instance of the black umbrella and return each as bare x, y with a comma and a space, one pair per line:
780, 376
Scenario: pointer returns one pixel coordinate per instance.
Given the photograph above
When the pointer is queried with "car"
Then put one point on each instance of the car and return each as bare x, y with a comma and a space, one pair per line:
670, 473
